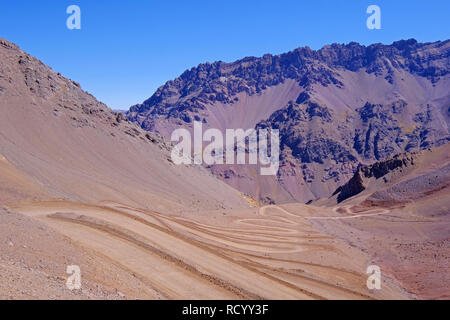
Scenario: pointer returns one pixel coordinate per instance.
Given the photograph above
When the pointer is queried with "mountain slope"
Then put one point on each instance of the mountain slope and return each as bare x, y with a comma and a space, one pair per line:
57, 141
59, 145
335, 108
405, 178
409, 232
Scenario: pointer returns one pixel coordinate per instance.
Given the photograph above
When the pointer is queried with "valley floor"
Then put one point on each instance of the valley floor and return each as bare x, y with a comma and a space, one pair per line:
272, 252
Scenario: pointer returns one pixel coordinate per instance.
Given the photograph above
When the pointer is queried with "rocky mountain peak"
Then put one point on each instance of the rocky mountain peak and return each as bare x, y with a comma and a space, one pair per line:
335, 107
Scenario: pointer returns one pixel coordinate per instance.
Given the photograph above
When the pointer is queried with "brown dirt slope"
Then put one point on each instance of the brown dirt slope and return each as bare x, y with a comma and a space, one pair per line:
408, 232
57, 141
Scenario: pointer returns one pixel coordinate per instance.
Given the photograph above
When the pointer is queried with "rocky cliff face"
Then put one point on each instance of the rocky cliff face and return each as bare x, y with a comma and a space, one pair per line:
335, 108
358, 182
404, 178
187, 95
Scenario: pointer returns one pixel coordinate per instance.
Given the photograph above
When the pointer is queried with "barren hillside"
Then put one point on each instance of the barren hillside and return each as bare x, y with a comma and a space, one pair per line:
409, 233
335, 108
59, 142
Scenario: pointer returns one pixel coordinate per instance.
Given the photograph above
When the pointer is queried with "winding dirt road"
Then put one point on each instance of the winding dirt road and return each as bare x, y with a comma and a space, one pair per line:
347, 210
274, 254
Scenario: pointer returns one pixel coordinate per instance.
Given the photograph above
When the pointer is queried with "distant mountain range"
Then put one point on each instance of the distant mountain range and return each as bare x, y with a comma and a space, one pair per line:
336, 108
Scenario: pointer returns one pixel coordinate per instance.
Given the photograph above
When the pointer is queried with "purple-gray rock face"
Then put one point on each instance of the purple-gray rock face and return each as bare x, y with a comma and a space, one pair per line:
377, 170
335, 108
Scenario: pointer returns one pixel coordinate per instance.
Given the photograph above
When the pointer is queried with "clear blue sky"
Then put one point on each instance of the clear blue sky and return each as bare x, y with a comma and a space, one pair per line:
126, 49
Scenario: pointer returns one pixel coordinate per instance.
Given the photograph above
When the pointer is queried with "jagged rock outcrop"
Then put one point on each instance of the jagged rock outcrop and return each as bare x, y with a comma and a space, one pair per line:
220, 81
335, 108
357, 183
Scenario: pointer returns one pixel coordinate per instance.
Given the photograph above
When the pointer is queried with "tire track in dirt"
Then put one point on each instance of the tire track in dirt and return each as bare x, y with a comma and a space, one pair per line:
222, 248
135, 239
256, 243
347, 209
323, 283
269, 278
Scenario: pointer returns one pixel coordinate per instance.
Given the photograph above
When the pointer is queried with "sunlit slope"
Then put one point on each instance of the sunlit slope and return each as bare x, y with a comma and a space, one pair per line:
62, 143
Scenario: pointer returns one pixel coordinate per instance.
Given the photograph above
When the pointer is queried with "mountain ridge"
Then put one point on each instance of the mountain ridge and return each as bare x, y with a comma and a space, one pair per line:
58, 142
352, 56
335, 107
